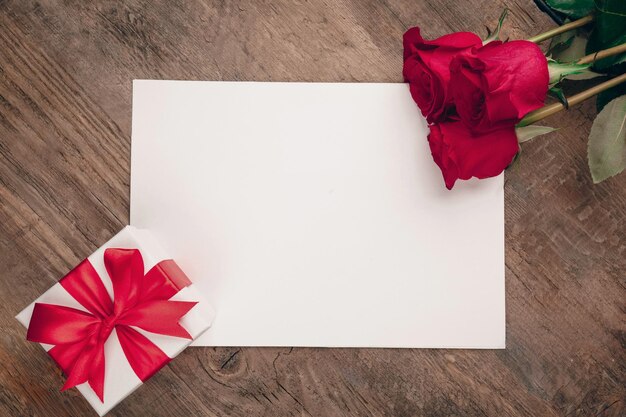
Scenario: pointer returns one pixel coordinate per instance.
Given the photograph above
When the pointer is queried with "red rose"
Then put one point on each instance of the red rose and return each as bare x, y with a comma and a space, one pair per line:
427, 69
461, 154
498, 84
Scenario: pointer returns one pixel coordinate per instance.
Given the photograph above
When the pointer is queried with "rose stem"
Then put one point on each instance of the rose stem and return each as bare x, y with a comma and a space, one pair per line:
602, 54
550, 109
562, 29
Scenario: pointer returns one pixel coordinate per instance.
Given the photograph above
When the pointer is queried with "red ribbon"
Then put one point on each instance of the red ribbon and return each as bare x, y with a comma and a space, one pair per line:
140, 300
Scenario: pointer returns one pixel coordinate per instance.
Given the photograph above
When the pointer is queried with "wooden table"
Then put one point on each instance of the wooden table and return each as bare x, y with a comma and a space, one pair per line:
65, 119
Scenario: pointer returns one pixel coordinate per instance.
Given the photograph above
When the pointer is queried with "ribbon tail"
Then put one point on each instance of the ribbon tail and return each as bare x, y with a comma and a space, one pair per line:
82, 362
66, 355
96, 373
85, 285
143, 356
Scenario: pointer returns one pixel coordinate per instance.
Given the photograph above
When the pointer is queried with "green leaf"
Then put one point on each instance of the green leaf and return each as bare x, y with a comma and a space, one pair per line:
572, 8
610, 17
526, 133
606, 96
558, 71
571, 51
561, 42
559, 94
606, 151
609, 31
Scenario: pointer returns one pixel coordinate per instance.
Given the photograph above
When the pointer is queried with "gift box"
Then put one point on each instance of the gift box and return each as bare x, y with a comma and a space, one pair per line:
117, 318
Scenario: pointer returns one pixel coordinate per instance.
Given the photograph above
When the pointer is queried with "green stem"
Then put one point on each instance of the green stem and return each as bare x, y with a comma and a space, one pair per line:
588, 59
581, 68
562, 29
551, 109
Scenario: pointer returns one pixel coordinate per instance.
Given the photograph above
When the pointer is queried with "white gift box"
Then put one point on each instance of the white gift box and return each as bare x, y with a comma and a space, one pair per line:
120, 380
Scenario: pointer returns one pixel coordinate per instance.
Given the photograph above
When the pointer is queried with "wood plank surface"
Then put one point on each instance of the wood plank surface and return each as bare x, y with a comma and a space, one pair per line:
66, 68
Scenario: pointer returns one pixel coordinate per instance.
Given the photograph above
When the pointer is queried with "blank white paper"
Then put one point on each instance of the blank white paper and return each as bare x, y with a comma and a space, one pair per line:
312, 214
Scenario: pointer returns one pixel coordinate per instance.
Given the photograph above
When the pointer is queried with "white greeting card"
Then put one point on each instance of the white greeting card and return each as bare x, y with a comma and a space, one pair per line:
312, 214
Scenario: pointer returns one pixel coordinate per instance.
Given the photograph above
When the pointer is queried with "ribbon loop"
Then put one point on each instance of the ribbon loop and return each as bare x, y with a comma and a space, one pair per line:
125, 267
60, 325
86, 287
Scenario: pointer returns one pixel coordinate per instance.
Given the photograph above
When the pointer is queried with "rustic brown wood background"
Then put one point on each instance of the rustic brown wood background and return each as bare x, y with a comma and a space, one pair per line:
65, 116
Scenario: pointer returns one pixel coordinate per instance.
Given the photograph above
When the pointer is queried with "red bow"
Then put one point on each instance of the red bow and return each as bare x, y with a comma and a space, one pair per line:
139, 300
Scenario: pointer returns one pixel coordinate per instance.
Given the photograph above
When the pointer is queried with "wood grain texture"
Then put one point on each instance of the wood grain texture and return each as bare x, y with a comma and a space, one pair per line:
65, 93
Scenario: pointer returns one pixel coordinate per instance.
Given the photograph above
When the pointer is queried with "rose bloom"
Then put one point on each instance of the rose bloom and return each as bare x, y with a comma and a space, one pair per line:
498, 84
461, 154
427, 69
